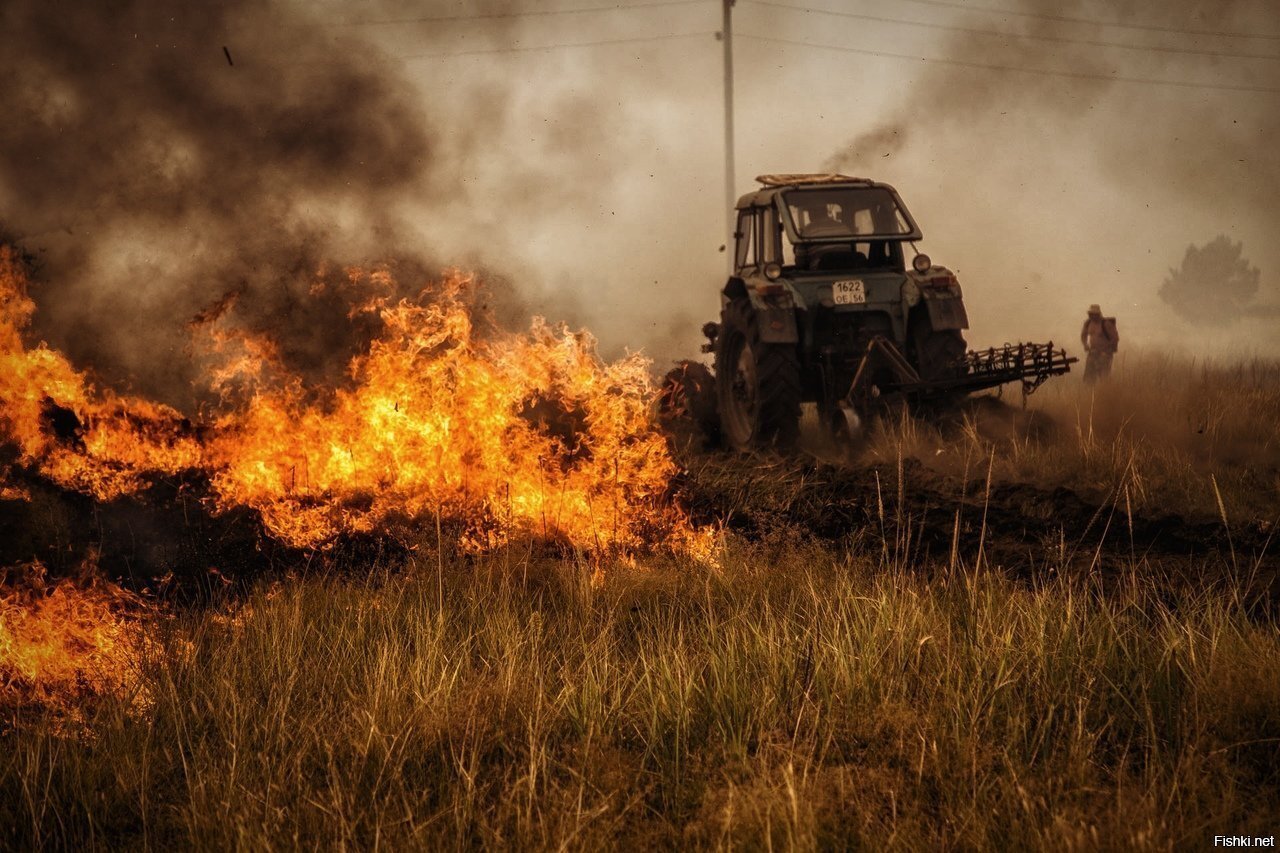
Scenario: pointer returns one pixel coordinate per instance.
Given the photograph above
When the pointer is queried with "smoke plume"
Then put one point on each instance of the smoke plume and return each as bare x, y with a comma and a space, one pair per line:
1048, 62
159, 155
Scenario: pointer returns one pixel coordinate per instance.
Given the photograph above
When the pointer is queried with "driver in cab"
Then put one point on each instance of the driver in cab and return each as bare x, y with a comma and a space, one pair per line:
823, 222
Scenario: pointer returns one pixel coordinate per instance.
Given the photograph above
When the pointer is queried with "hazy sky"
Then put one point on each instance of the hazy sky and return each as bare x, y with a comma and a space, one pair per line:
1045, 192
1098, 143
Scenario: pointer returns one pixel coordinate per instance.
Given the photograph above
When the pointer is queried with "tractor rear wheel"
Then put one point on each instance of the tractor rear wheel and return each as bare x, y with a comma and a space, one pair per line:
939, 353
757, 384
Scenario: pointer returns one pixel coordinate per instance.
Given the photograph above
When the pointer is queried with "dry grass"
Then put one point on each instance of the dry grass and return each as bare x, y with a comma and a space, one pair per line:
1167, 435
801, 698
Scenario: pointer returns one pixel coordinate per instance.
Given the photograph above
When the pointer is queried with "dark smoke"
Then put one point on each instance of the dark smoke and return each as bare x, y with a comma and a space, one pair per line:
157, 155
863, 151
945, 95
943, 100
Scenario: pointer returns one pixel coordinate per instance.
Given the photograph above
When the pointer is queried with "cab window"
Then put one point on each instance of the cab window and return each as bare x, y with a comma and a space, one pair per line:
845, 212
769, 235
746, 235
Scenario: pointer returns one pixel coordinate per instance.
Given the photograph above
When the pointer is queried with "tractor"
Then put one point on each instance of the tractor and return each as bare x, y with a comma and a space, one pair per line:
823, 307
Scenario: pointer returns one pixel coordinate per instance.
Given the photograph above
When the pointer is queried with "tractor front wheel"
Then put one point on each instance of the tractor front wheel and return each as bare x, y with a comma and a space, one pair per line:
757, 384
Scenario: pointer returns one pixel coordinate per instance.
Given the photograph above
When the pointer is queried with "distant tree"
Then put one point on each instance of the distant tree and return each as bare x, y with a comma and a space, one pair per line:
1215, 283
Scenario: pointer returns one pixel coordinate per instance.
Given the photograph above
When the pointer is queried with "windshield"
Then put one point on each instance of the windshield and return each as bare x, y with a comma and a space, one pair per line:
845, 212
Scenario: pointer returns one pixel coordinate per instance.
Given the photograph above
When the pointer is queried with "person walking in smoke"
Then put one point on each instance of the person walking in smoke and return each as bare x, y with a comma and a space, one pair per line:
1100, 340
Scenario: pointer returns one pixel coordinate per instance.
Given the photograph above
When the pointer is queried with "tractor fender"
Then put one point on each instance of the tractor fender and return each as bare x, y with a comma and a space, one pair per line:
775, 312
775, 316
777, 326
940, 292
946, 309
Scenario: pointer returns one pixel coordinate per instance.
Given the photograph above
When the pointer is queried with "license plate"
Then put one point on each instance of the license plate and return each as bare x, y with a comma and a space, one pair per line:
852, 292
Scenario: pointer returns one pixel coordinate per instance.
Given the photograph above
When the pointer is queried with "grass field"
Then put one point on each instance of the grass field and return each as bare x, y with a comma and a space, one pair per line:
810, 692
1200, 438
799, 700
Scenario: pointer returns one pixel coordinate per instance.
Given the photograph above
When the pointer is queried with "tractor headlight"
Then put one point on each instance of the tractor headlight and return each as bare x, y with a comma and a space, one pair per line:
772, 271
921, 263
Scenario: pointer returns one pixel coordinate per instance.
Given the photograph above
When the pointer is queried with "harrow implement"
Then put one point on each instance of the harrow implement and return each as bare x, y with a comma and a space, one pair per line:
885, 370
1030, 364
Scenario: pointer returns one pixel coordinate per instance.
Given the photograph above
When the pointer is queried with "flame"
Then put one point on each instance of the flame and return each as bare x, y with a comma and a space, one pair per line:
81, 437
505, 435
63, 641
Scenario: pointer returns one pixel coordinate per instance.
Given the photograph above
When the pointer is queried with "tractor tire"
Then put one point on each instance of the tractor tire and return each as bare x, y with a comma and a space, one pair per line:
688, 397
757, 384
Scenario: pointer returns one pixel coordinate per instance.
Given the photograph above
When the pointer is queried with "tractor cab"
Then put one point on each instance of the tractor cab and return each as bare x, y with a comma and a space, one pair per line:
821, 224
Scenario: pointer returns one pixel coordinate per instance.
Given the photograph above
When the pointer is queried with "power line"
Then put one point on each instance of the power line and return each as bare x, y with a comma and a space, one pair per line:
1078, 75
542, 13
1066, 19
978, 31
543, 47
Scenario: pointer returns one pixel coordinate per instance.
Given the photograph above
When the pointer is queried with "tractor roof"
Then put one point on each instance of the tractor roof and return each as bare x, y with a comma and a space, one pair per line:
799, 179
772, 185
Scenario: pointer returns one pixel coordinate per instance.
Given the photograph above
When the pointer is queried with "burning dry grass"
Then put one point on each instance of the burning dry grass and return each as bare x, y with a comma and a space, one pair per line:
507, 435
67, 642
82, 437
812, 699
488, 437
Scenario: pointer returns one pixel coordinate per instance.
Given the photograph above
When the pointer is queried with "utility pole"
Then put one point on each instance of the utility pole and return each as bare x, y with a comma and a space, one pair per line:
726, 35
